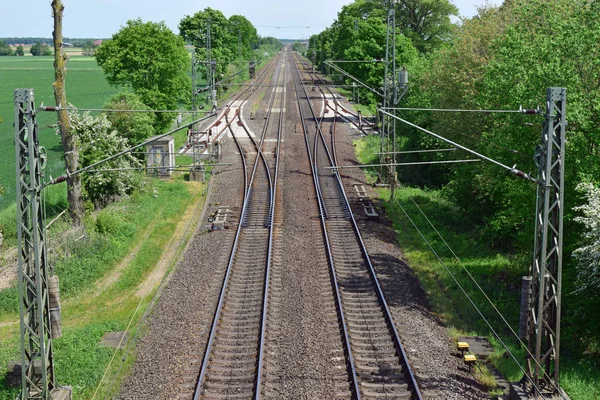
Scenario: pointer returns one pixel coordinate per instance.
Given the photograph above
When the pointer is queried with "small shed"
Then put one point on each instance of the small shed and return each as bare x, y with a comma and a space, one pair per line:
161, 156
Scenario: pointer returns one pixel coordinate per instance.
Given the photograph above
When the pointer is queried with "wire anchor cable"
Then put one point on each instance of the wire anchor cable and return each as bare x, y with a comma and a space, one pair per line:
512, 170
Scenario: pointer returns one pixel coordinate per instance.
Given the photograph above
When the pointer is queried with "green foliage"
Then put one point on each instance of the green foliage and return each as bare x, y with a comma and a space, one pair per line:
267, 48
194, 29
88, 48
40, 49
5, 49
78, 354
112, 232
297, 46
359, 34
502, 59
426, 22
8, 224
19, 51
96, 142
588, 256
9, 300
246, 37
136, 127
152, 60
88, 313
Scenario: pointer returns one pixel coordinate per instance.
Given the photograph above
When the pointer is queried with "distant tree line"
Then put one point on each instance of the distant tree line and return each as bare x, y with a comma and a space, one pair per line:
88, 48
6, 50
76, 42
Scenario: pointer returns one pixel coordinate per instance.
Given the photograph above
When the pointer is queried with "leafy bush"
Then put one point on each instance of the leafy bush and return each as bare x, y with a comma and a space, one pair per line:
134, 126
96, 142
588, 256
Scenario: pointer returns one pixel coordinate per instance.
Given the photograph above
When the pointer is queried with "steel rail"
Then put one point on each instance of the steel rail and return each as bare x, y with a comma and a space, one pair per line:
379, 292
338, 300
247, 194
270, 247
355, 115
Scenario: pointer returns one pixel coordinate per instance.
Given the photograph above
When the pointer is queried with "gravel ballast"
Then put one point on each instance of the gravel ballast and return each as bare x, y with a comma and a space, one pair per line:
304, 356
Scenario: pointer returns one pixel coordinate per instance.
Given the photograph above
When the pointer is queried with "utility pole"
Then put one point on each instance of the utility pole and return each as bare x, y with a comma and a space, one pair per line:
388, 125
239, 44
210, 68
314, 61
194, 90
543, 329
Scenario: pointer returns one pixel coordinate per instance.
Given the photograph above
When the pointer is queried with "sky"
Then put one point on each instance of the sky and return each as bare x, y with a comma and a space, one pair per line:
103, 18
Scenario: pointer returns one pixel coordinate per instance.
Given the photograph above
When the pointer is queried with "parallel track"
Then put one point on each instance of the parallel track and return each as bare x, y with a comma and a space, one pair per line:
377, 364
233, 359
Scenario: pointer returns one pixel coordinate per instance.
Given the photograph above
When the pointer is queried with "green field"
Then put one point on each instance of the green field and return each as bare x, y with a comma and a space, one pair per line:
86, 88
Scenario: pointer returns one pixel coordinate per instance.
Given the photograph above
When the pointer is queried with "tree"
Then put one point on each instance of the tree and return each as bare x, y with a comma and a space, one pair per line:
360, 34
97, 141
426, 22
136, 127
19, 52
152, 60
5, 49
40, 49
246, 37
193, 29
69, 141
88, 48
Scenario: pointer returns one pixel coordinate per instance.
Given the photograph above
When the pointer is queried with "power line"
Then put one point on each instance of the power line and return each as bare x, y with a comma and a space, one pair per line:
374, 60
401, 164
127, 111
519, 111
479, 139
418, 151
92, 166
512, 170
173, 168
470, 300
476, 283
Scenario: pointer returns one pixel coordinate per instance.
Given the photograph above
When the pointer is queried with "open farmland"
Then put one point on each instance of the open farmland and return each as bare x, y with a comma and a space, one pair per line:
86, 88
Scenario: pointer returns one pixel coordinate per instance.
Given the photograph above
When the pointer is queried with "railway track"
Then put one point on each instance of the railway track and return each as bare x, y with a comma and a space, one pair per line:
233, 359
376, 362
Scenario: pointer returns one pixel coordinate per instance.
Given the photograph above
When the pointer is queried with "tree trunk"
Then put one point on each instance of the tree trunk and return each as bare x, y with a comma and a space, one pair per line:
69, 141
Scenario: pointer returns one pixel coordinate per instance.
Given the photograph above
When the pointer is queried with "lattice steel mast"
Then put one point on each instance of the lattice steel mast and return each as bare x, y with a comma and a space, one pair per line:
390, 87
37, 365
544, 313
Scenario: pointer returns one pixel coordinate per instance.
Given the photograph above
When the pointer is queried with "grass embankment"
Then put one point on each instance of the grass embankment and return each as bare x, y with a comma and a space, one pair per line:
127, 245
499, 275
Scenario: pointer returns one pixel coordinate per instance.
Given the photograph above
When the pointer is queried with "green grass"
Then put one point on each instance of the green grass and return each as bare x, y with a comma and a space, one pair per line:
498, 274
86, 88
87, 311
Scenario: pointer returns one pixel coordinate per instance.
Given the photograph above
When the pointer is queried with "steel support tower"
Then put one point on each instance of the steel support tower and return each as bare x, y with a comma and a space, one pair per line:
37, 367
210, 68
544, 314
390, 87
194, 90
